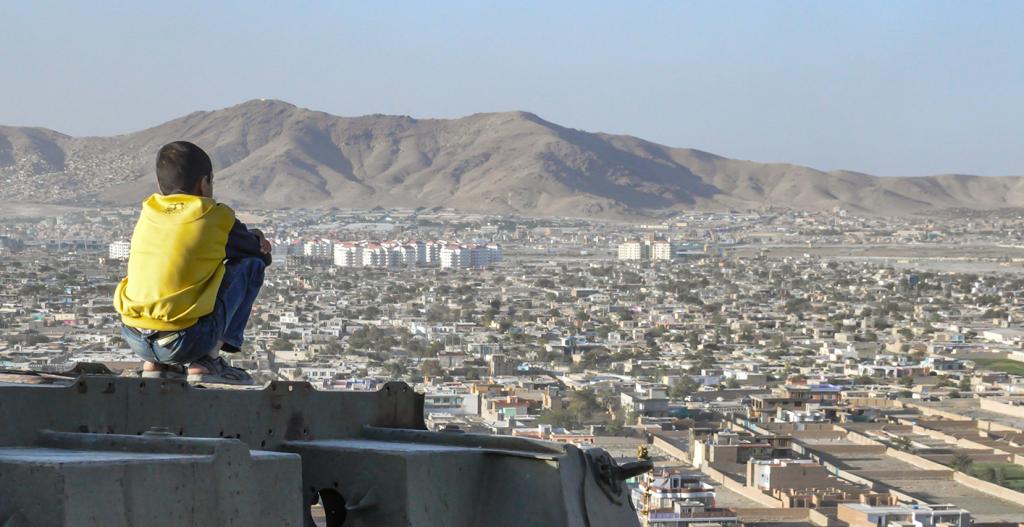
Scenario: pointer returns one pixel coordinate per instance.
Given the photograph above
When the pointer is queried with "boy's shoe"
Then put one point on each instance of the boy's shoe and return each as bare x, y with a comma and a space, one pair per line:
218, 371
164, 371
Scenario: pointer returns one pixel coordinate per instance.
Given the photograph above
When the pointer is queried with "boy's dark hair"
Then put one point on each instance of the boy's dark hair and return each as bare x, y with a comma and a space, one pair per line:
180, 166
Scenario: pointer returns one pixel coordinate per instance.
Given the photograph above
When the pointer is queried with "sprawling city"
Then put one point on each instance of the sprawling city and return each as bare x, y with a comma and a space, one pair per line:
777, 367
728, 263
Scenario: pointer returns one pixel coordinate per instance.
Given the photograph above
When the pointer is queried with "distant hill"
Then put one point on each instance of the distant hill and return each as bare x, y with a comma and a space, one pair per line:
271, 154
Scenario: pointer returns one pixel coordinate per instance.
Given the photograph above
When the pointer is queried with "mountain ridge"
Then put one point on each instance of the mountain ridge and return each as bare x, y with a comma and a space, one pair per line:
273, 154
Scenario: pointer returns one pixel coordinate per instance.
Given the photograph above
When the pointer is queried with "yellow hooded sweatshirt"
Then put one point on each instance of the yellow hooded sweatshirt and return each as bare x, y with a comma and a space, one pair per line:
176, 262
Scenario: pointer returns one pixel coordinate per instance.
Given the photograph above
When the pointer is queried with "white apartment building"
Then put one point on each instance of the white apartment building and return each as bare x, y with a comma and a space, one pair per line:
421, 253
661, 250
410, 255
396, 254
318, 249
120, 250
454, 257
374, 256
494, 250
474, 256
632, 250
636, 250
348, 255
432, 251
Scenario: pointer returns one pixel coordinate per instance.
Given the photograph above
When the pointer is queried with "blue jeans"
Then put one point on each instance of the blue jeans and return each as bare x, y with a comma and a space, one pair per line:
243, 278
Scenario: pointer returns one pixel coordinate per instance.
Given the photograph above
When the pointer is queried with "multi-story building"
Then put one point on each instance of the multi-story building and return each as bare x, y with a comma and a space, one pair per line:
726, 448
650, 400
661, 250
863, 515
633, 250
673, 498
374, 255
432, 252
455, 257
318, 250
120, 250
494, 252
411, 254
348, 254
794, 398
642, 250
478, 256
421, 252
395, 255
454, 400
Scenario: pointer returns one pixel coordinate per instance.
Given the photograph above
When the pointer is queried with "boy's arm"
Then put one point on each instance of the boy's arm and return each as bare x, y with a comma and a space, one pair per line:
244, 244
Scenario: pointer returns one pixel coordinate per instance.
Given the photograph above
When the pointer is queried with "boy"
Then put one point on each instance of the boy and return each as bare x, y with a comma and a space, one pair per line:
193, 274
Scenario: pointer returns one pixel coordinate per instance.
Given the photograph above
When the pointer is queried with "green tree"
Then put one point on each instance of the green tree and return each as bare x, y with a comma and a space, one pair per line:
545, 283
437, 313
558, 417
686, 386
903, 443
583, 403
431, 368
616, 425
961, 462
863, 380
395, 369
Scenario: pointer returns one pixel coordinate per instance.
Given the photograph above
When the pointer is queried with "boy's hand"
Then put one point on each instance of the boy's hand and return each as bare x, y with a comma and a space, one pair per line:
265, 246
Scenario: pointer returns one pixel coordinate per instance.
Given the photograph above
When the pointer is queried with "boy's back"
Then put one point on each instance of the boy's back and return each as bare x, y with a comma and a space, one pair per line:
176, 262
194, 272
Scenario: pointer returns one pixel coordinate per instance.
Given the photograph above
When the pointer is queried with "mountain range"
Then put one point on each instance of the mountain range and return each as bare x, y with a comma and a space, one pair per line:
271, 154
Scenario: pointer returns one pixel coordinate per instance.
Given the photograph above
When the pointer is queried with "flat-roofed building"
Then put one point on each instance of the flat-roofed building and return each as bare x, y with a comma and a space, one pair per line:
862, 515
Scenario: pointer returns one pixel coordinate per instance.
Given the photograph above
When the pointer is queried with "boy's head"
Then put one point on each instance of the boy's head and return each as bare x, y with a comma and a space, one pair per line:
183, 168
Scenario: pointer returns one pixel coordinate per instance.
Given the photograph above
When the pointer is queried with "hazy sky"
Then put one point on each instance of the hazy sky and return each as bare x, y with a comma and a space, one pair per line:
887, 87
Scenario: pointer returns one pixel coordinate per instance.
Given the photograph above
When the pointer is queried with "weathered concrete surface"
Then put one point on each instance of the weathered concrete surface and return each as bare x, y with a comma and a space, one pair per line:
116, 480
78, 455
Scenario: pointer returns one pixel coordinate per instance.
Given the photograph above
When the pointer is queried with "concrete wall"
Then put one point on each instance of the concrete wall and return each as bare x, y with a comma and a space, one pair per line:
993, 405
817, 434
748, 492
989, 488
671, 450
978, 484
882, 475
930, 411
846, 450
821, 518
790, 428
917, 461
922, 463
861, 439
986, 452
873, 402
852, 517
992, 426
772, 515
798, 476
